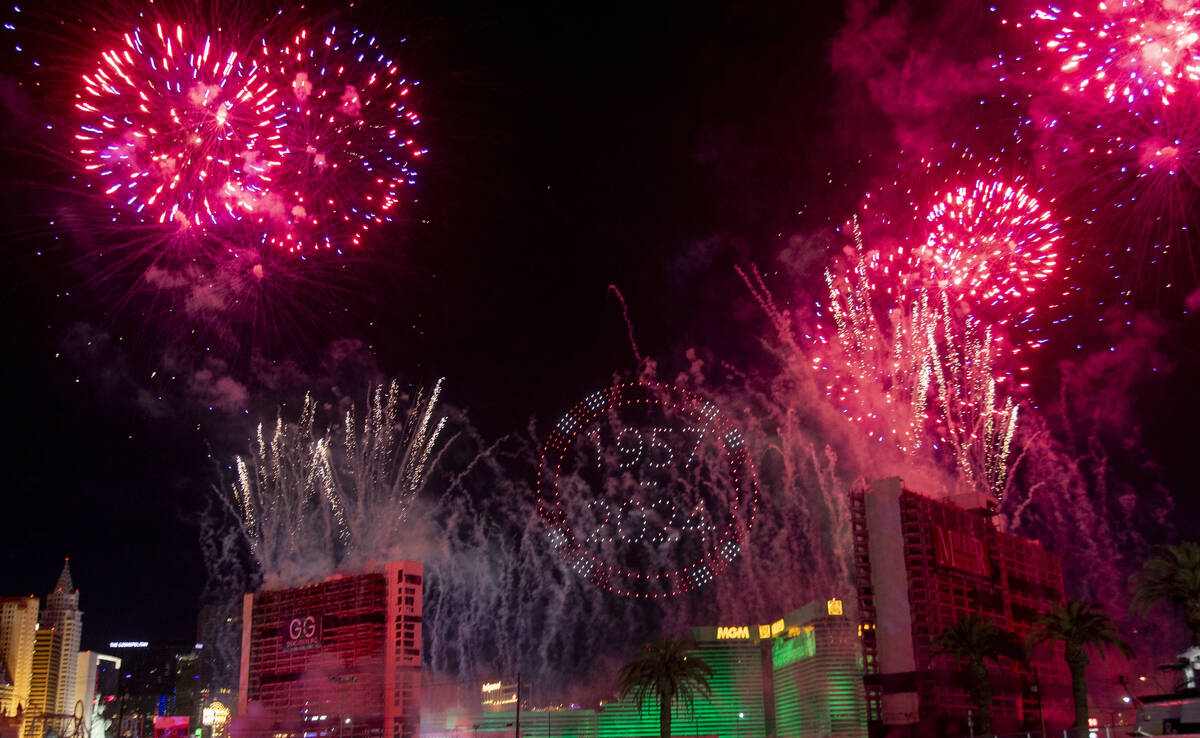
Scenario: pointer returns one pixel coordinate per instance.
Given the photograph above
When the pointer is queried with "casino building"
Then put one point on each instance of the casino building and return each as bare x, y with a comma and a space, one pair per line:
341, 657
921, 564
798, 676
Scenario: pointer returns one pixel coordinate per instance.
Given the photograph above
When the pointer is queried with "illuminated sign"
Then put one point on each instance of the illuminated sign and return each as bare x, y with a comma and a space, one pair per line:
215, 714
777, 627
733, 633
960, 551
764, 632
790, 650
171, 726
498, 697
833, 607
128, 644
302, 631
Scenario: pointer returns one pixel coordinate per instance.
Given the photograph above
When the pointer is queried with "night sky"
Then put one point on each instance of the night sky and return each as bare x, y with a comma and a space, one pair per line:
572, 147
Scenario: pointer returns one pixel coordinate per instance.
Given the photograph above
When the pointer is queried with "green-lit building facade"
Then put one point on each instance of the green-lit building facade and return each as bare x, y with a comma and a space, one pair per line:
799, 676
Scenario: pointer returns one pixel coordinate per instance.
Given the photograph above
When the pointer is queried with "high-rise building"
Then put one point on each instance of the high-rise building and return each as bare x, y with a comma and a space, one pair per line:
62, 614
18, 624
922, 564
341, 657
817, 673
55, 657
43, 687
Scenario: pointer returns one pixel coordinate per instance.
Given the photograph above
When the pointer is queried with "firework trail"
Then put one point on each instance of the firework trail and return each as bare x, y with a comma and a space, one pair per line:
314, 500
904, 368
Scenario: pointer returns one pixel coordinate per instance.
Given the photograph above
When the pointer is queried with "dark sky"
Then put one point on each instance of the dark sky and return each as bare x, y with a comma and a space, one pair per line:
572, 146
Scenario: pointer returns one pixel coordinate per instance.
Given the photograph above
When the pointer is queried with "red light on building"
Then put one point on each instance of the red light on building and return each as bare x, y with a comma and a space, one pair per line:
340, 658
921, 565
171, 726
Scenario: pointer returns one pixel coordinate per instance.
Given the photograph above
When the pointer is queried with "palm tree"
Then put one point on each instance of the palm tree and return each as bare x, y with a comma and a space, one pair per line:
1173, 576
1081, 626
976, 641
664, 672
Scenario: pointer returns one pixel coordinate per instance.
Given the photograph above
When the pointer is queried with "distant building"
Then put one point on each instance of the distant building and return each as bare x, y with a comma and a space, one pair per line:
920, 565
338, 658
43, 687
157, 679
87, 677
18, 624
498, 697
61, 614
219, 631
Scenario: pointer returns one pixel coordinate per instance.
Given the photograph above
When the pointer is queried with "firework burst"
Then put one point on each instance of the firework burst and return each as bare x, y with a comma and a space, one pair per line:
1135, 179
988, 243
1127, 52
178, 128
971, 230
348, 150
200, 160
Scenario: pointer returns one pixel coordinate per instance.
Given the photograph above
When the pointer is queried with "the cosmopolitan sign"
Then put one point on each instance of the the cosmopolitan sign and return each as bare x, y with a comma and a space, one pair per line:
302, 631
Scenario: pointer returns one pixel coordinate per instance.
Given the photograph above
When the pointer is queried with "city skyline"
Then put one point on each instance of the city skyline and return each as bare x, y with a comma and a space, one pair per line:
607, 315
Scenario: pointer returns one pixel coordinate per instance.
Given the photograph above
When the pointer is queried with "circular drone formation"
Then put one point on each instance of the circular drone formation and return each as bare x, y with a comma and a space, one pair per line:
678, 491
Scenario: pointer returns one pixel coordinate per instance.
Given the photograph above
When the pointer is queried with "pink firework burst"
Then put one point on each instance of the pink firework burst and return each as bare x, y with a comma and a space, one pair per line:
987, 242
348, 149
178, 128
1125, 51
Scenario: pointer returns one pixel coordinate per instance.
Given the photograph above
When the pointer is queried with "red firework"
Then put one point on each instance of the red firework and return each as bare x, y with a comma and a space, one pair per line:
179, 128
348, 149
988, 242
1125, 51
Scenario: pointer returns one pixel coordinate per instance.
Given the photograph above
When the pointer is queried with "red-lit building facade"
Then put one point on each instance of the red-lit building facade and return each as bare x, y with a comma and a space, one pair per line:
340, 658
920, 565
